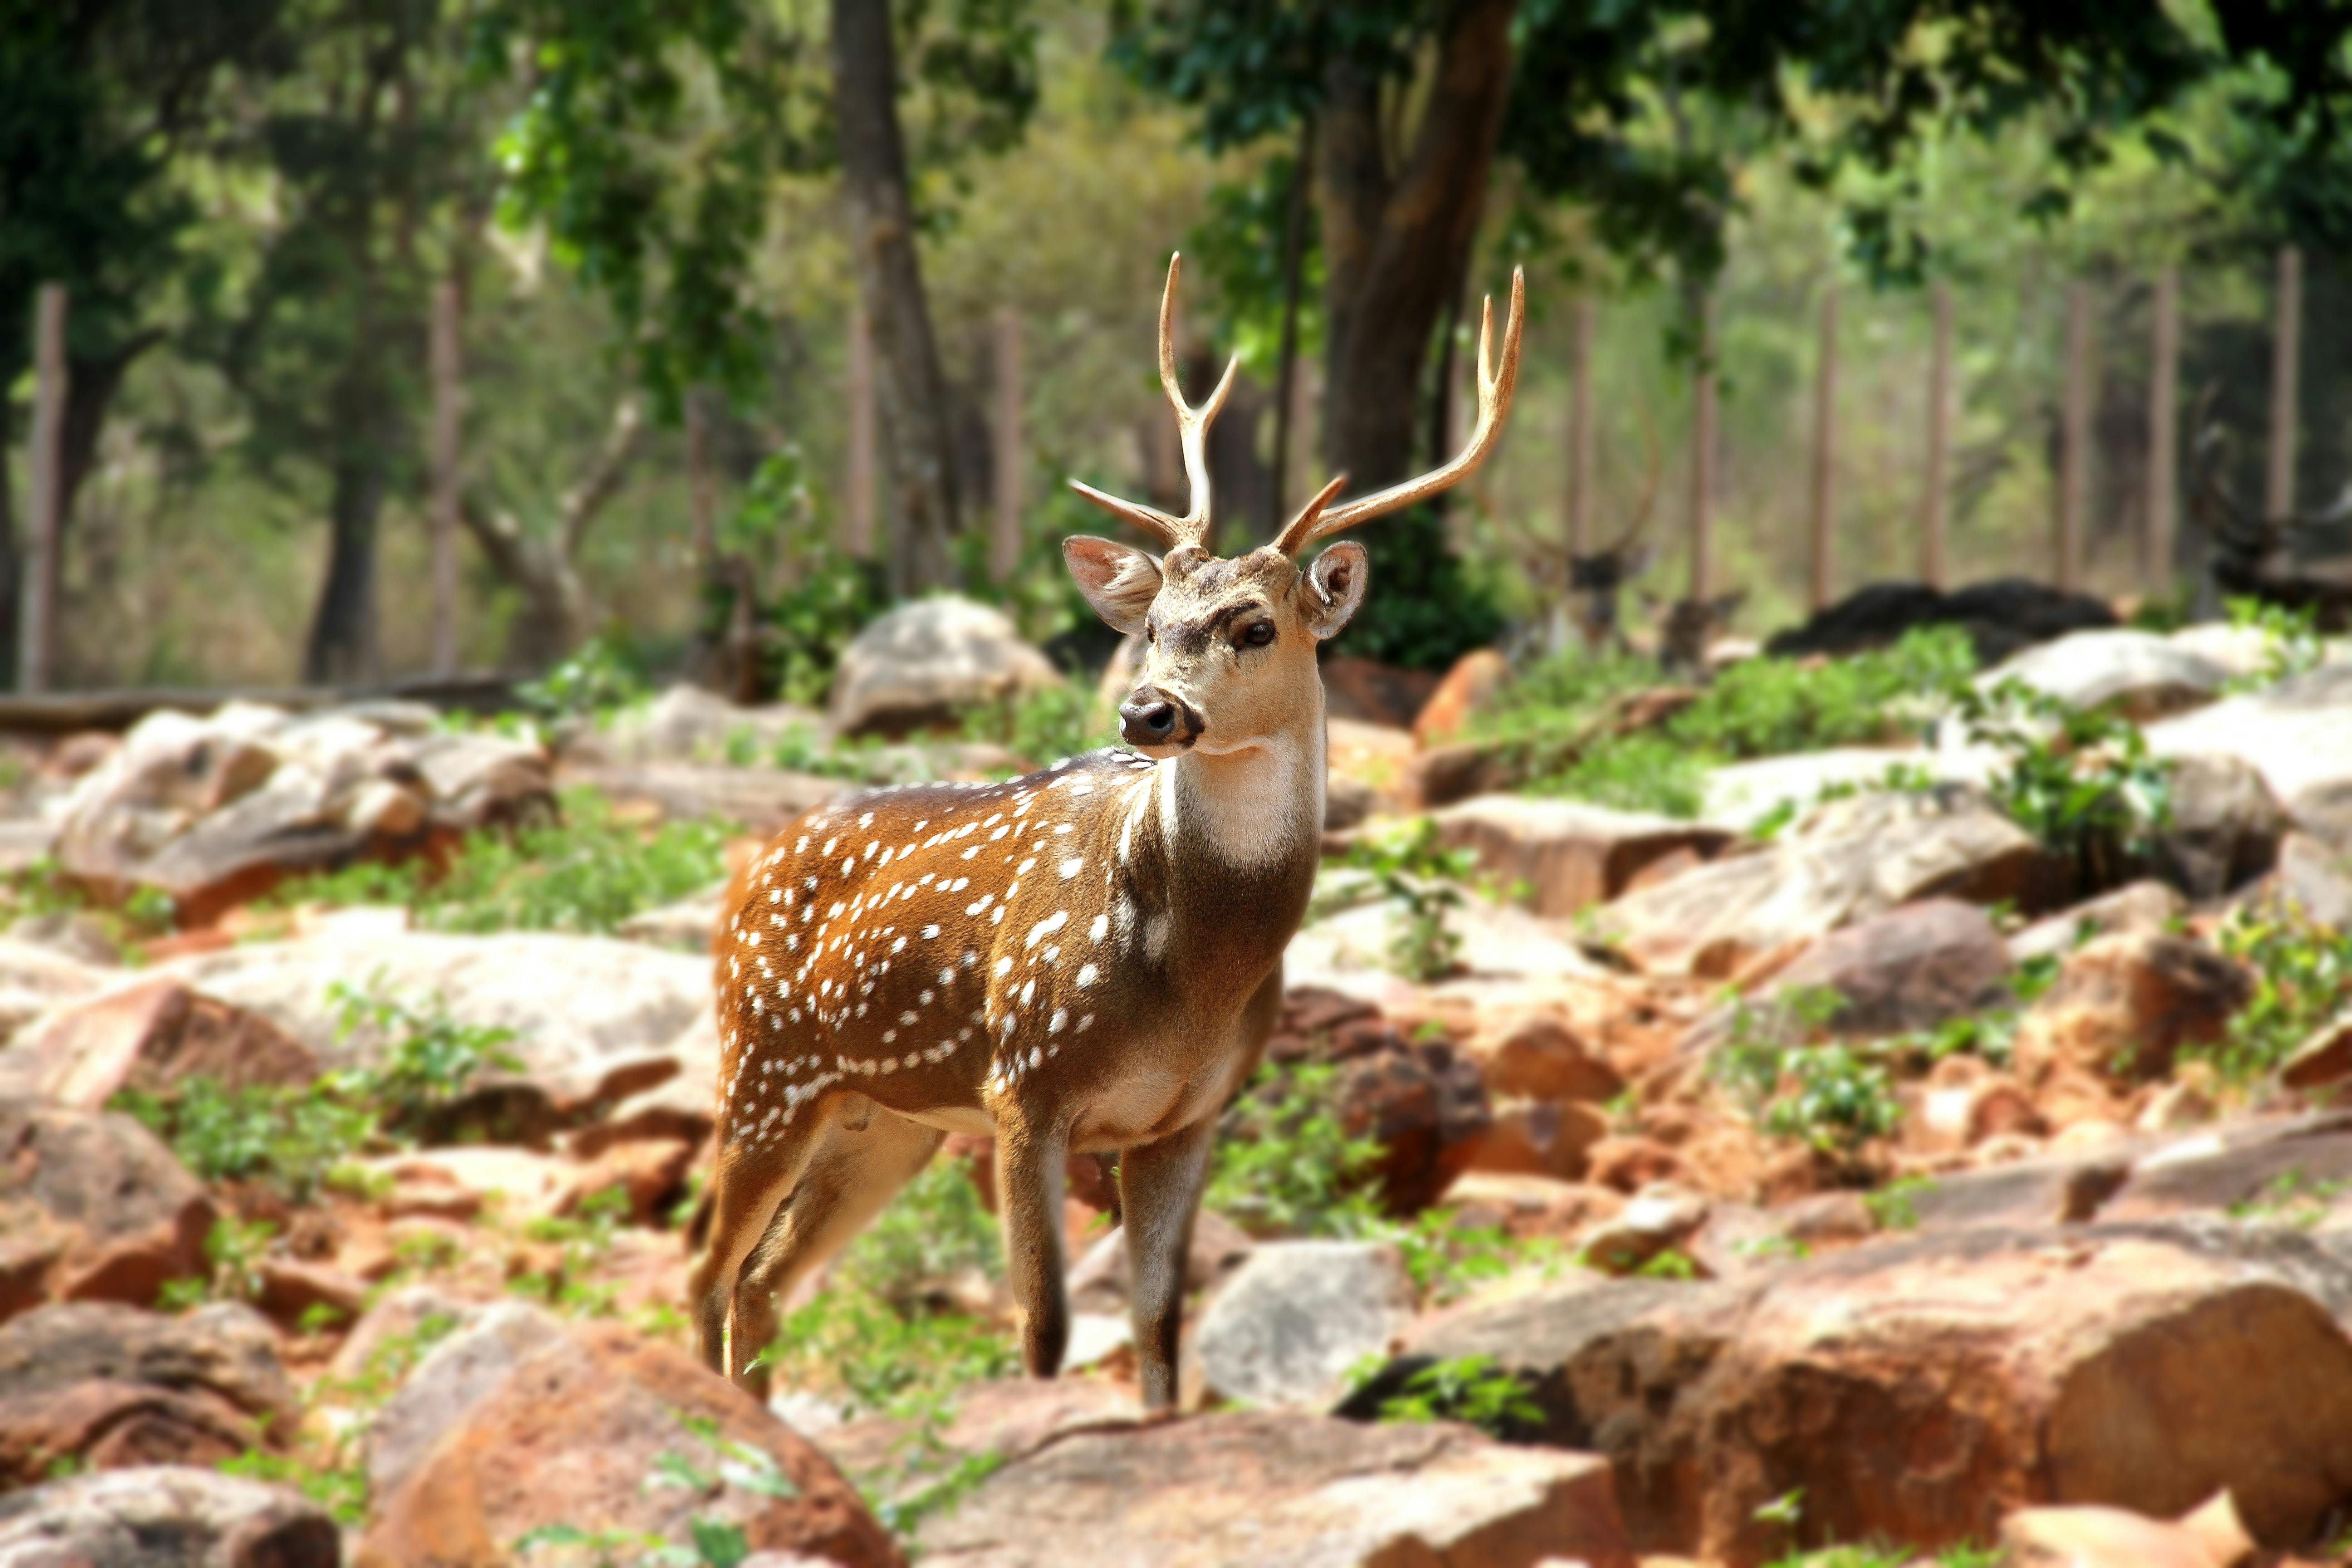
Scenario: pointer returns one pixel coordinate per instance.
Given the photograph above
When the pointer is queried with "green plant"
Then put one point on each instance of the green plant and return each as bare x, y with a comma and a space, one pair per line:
1044, 724
340, 1489
581, 1238
42, 888
602, 677
289, 1138
1835, 1096
234, 1247
587, 871
1410, 865
1895, 1206
430, 1060
1475, 1389
2080, 780
1788, 1512
2292, 645
1643, 772
2302, 972
937, 1229
1447, 1259
1283, 1165
2292, 1197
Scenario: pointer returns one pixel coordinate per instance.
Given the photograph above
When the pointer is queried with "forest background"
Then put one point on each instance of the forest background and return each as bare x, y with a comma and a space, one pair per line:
660, 220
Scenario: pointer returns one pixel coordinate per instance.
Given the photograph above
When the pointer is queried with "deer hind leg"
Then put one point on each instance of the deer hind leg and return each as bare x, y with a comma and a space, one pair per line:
748, 1180
1029, 1194
853, 1175
1159, 1190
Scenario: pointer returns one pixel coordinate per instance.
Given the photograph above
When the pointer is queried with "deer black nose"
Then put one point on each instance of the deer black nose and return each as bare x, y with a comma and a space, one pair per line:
1150, 717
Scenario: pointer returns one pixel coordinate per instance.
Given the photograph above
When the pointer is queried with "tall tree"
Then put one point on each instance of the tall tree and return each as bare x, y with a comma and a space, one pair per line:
96, 99
1594, 102
651, 132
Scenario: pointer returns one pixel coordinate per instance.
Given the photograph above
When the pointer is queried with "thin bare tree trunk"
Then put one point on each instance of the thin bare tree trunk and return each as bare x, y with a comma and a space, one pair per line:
1580, 431
445, 410
1702, 502
1286, 379
701, 495
1004, 538
1824, 516
1940, 441
2286, 357
2074, 439
912, 391
2163, 433
858, 531
45, 489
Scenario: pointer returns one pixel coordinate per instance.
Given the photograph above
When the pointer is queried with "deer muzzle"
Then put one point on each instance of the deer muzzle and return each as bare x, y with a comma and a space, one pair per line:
1150, 717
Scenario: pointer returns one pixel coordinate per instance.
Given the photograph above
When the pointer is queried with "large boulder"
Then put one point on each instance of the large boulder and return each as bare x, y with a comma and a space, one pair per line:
213, 811
760, 800
1569, 854
164, 1516
1304, 1492
564, 1429
1850, 859
2224, 828
688, 723
594, 1019
93, 1208
2124, 1004
2297, 734
97, 1386
2144, 675
922, 662
1919, 1388
1293, 1319
1910, 968
35, 977
148, 1035
1740, 796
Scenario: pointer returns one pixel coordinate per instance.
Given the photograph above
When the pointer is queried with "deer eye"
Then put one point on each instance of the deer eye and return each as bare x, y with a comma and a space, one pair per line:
1257, 634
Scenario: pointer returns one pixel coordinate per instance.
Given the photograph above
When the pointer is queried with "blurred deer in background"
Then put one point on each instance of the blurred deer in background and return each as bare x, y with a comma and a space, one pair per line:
1602, 576
2257, 557
1086, 959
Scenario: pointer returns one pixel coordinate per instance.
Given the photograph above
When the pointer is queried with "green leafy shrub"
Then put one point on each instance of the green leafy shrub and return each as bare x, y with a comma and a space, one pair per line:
1284, 1165
1642, 771
1447, 1259
2292, 645
2303, 978
603, 676
1475, 1389
1045, 724
2080, 780
587, 872
42, 888
1410, 866
431, 1062
1833, 1094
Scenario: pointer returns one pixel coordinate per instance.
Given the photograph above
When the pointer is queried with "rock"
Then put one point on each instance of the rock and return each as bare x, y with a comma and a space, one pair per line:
1353, 949
164, 1516
149, 1035
102, 1387
35, 976
1630, 1162
2324, 1058
2094, 1537
2318, 878
121, 1215
2297, 734
397, 1331
1369, 693
1849, 860
566, 1429
1569, 853
1472, 684
2144, 675
2225, 828
1659, 1218
763, 800
213, 811
2244, 651
1525, 1205
1423, 1103
1536, 1054
922, 663
1298, 1315
1910, 968
2124, 1004
2143, 906
2268, 1169
299, 1295
1539, 1137
1920, 1387
1465, 770
2001, 616
1100, 1282
450, 1381
1269, 1486
688, 723
594, 1018
688, 925
1741, 794
648, 1172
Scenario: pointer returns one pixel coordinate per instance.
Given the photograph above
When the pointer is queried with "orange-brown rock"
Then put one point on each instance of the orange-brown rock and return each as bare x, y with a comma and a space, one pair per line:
2126, 1004
1537, 1137
1471, 685
568, 1437
150, 1035
1525, 1206
108, 1213
1538, 1054
648, 1172
1630, 1163
1568, 854
2094, 1537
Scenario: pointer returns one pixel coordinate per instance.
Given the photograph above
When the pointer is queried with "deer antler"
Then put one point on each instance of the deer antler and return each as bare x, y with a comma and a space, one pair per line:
1320, 519
1192, 429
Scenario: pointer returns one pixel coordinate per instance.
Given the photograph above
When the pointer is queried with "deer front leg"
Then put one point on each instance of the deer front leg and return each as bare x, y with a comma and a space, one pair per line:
1029, 1194
1158, 1193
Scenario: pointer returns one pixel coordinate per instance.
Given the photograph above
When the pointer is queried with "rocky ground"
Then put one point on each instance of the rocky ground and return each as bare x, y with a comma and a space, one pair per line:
1901, 1183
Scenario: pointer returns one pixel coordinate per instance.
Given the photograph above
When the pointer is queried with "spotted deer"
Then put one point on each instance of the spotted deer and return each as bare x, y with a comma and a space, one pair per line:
1084, 959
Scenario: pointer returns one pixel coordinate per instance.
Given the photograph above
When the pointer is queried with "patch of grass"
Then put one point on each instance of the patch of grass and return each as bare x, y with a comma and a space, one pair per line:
587, 872
581, 1239
2292, 1197
42, 888
1448, 1259
1474, 1389
341, 1488
431, 1062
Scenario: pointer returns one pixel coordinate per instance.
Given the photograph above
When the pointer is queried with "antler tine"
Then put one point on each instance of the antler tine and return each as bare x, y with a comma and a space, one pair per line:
1193, 432
1496, 381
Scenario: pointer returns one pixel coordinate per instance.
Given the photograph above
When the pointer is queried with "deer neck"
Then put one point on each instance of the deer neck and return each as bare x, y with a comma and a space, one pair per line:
1256, 808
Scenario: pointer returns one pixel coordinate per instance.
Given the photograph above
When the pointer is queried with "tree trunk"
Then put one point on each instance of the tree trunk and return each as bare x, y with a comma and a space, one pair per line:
343, 646
1395, 244
556, 612
910, 388
90, 393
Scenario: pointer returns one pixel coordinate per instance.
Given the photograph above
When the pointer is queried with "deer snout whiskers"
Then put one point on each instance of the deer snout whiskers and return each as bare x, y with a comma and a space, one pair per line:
1150, 717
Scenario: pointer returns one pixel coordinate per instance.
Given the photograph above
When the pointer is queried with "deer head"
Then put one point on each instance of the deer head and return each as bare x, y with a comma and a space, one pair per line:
1229, 643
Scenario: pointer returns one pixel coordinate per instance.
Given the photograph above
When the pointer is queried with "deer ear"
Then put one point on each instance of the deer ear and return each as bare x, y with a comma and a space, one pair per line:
1118, 581
1333, 587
